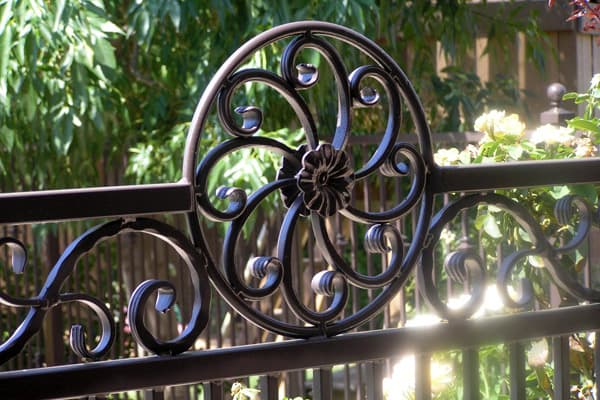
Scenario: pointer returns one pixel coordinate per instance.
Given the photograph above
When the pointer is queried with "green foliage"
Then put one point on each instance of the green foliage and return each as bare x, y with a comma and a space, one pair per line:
505, 141
83, 81
57, 91
464, 96
170, 54
589, 122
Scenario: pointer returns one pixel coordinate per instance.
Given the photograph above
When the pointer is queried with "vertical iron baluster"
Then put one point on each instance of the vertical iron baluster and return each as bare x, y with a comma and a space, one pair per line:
423, 376
268, 385
213, 391
154, 394
375, 380
346, 382
560, 356
322, 384
597, 364
517, 371
470, 374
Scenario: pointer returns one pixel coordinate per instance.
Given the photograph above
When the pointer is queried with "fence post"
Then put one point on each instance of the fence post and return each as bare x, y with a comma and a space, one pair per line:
556, 115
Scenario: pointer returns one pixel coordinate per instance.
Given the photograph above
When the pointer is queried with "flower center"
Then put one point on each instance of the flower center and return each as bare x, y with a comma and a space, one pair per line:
321, 178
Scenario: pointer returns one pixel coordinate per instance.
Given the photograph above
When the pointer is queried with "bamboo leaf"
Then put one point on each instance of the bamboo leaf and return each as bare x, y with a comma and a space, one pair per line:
5, 45
5, 15
104, 53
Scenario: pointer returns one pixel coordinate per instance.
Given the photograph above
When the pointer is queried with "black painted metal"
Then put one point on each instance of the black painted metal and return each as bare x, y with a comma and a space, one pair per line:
322, 384
597, 365
314, 180
562, 367
213, 390
484, 177
50, 295
315, 183
517, 371
268, 386
99, 202
470, 366
423, 376
374, 380
154, 394
219, 364
464, 262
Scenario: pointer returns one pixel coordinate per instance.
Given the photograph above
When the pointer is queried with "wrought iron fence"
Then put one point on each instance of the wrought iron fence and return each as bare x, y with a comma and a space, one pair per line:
338, 247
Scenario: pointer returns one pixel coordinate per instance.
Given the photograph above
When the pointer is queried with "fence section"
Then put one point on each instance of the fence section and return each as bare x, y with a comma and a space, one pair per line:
324, 247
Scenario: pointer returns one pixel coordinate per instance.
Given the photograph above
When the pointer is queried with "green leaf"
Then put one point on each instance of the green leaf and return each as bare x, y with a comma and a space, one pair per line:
175, 14
104, 53
5, 44
490, 226
589, 192
558, 192
60, 7
109, 27
7, 137
515, 151
29, 101
5, 15
584, 124
536, 261
85, 56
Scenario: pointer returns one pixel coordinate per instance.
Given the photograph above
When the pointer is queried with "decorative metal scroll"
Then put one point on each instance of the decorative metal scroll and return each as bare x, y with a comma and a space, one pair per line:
315, 181
50, 295
465, 262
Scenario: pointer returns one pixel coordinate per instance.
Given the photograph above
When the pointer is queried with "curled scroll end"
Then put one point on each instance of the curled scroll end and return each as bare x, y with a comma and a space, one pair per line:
251, 118
568, 206
459, 263
165, 299
564, 210
403, 160
259, 267
378, 238
237, 199
326, 283
524, 294
77, 343
307, 76
268, 268
18, 254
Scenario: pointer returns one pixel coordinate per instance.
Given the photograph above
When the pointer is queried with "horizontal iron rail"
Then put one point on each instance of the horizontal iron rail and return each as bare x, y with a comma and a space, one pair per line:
112, 201
97, 202
219, 364
484, 177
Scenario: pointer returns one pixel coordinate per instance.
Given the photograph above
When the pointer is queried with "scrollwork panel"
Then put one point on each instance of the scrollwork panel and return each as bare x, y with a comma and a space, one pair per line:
531, 257
65, 285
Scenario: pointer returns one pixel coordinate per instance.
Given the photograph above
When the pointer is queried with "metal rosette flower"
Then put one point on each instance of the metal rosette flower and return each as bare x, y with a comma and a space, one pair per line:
50, 295
465, 265
315, 181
